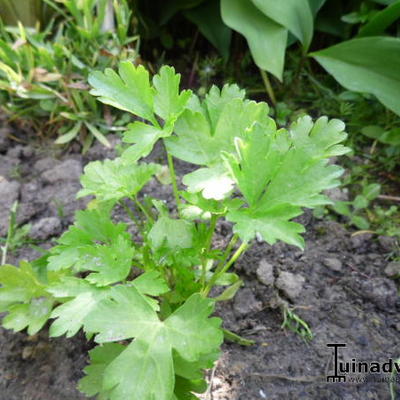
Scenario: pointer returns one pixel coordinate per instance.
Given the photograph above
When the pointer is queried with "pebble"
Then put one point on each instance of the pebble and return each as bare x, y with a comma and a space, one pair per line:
68, 170
45, 227
265, 273
392, 270
290, 284
246, 303
333, 263
380, 291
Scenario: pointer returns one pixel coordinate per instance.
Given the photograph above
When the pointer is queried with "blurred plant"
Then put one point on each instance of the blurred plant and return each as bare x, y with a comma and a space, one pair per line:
43, 75
16, 236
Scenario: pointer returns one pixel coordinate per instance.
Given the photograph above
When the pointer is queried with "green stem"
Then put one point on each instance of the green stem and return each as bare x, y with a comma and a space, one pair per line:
211, 229
174, 181
142, 209
223, 268
130, 213
233, 337
268, 87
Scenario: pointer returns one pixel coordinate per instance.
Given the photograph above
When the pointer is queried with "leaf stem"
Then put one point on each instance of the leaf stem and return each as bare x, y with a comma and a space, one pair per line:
174, 181
221, 269
142, 209
211, 229
268, 86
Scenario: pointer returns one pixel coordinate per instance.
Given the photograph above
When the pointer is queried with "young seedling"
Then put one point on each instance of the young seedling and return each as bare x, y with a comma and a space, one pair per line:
147, 297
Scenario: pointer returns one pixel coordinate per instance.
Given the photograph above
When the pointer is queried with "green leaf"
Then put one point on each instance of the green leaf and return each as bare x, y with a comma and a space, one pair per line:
145, 369
359, 222
294, 15
70, 135
100, 357
98, 135
128, 91
91, 228
229, 292
208, 19
357, 65
19, 285
115, 179
372, 191
32, 316
144, 137
360, 202
280, 172
266, 39
168, 102
213, 183
151, 283
69, 317
381, 20
172, 233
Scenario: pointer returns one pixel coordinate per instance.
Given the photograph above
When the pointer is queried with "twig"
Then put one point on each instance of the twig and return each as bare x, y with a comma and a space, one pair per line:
208, 394
290, 378
390, 198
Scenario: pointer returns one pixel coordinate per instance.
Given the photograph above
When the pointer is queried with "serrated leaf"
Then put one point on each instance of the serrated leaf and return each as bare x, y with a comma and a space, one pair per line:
213, 183
173, 233
168, 101
115, 179
100, 358
151, 283
19, 284
144, 137
281, 172
91, 227
69, 317
32, 316
145, 369
129, 90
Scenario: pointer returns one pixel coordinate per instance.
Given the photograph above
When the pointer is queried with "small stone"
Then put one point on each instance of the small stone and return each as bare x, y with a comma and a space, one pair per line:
333, 263
265, 273
387, 242
246, 303
360, 240
380, 291
392, 270
290, 284
45, 228
9, 191
68, 170
45, 164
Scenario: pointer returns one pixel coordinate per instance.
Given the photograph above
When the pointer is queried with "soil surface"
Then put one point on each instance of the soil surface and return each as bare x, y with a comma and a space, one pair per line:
342, 285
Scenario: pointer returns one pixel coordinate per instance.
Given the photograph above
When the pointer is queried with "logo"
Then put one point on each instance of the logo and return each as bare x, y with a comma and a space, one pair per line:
343, 369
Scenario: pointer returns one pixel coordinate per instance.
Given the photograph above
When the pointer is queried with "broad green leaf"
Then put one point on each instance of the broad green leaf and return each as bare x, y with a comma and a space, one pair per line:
145, 369
19, 285
144, 137
32, 315
360, 202
100, 357
280, 172
266, 39
111, 263
357, 65
129, 90
172, 233
208, 19
115, 179
168, 102
381, 20
214, 183
69, 317
151, 283
294, 15
91, 228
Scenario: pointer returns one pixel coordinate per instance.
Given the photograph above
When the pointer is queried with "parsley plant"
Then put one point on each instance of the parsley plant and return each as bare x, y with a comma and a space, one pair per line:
145, 296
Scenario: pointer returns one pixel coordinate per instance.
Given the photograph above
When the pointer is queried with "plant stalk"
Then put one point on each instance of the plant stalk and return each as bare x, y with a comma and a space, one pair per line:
268, 87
